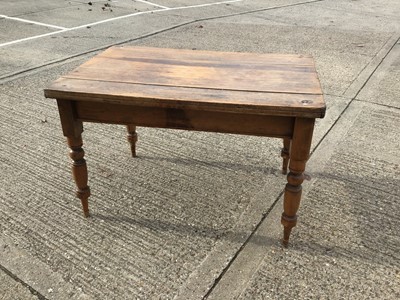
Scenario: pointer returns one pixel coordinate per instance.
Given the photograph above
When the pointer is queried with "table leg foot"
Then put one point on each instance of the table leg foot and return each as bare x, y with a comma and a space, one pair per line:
85, 206
288, 223
285, 153
291, 203
132, 138
79, 172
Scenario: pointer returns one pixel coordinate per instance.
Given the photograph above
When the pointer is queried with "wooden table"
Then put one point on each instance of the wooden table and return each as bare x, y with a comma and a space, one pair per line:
272, 95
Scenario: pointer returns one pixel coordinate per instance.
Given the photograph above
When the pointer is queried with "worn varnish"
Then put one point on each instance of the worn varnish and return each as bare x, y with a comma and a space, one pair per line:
272, 84
274, 95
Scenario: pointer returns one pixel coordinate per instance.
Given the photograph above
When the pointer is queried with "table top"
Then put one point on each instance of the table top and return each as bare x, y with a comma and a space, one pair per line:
270, 84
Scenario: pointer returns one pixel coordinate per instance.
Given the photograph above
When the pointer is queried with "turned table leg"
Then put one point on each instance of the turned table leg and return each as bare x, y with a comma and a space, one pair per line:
299, 153
132, 138
72, 129
285, 153
79, 171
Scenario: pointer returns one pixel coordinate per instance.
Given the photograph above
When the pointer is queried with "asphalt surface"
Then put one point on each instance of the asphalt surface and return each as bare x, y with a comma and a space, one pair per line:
197, 215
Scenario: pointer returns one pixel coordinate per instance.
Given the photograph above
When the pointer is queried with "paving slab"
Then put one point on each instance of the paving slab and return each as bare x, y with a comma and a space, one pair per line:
346, 244
374, 8
37, 52
22, 7
43, 282
15, 30
130, 4
222, 9
84, 14
384, 86
13, 290
341, 15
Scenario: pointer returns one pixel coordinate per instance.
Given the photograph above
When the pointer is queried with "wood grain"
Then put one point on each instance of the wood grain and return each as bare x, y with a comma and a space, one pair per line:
204, 55
229, 75
186, 119
273, 84
299, 154
132, 138
312, 106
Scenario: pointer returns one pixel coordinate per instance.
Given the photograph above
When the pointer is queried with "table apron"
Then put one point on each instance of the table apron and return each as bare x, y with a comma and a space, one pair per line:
187, 119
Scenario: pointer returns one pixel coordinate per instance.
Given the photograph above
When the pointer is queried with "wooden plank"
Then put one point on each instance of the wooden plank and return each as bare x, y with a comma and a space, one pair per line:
218, 70
70, 125
129, 63
236, 77
235, 123
272, 64
311, 106
130, 52
274, 84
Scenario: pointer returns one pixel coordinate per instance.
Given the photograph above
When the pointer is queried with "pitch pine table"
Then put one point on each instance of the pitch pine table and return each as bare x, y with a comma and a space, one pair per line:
270, 95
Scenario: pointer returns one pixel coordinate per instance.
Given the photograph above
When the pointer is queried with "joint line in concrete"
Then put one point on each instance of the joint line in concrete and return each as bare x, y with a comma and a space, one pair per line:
377, 104
387, 48
258, 225
31, 289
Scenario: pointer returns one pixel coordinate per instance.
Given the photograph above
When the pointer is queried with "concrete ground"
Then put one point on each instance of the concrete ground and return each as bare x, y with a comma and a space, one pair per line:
197, 215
